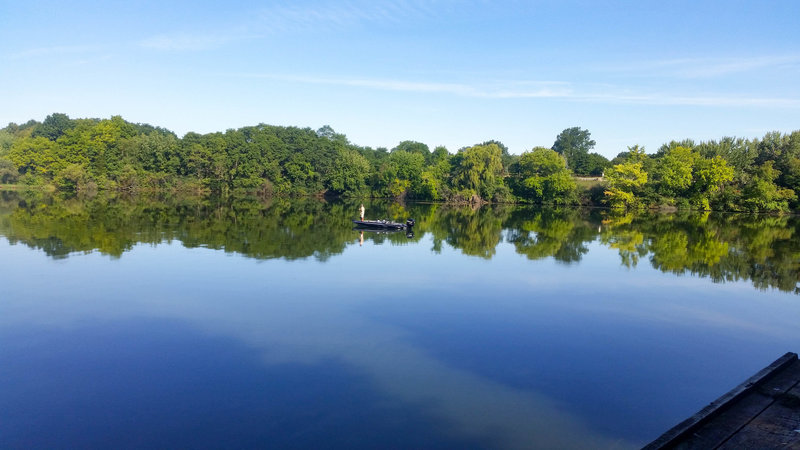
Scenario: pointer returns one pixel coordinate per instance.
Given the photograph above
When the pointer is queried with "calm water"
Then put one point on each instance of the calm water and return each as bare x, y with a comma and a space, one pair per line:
195, 323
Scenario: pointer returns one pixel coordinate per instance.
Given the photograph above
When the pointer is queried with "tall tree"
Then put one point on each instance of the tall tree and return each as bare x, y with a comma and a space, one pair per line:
53, 127
327, 132
575, 143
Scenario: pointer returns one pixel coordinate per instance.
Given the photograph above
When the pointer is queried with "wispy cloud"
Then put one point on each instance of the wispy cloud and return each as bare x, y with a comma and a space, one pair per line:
516, 89
708, 67
189, 42
336, 15
57, 50
690, 100
288, 17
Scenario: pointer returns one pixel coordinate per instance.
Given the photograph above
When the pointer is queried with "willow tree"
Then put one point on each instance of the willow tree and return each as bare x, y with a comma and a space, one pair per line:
477, 171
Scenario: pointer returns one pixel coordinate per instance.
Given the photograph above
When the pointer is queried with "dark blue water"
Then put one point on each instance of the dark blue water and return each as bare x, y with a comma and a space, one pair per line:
389, 343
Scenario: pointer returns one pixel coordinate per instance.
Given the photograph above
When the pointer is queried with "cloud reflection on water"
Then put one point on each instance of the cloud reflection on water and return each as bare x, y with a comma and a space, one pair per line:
290, 318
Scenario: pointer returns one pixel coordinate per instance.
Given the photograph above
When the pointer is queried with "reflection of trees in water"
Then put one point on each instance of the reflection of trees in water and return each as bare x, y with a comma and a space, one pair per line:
629, 242
722, 247
279, 229
476, 231
543, 233
767, 252
265, 229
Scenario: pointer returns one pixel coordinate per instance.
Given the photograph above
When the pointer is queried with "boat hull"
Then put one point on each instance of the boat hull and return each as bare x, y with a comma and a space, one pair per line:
379, 224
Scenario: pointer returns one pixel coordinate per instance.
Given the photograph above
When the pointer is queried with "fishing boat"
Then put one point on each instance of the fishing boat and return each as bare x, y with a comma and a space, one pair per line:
383, 224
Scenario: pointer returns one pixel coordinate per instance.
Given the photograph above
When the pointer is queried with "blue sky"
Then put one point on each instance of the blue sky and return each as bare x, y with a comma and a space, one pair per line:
452, 73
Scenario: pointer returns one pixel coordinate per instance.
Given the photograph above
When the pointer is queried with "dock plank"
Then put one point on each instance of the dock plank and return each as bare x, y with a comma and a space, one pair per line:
733, 418
718, 423
777, 427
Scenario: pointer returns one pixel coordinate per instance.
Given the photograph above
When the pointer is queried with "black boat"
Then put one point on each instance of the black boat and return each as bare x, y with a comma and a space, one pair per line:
383, 224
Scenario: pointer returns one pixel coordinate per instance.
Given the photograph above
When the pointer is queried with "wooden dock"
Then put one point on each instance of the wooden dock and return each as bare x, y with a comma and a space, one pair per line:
761, 413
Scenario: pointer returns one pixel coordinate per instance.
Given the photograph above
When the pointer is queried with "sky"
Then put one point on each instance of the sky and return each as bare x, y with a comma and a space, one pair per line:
451, 73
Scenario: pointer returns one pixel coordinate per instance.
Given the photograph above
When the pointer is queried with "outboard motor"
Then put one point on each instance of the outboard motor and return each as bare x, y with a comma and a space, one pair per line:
409, 223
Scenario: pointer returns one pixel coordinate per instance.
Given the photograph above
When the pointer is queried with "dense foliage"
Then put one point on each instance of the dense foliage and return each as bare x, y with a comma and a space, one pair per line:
89, 155
730, 174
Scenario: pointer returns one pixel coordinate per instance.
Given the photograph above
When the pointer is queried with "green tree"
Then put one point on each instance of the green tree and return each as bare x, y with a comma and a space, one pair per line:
403, 174
575, 143
439, 153
414, 147
634, 154
72, 179
350, 170
596, 164
739, 153
686, 143
34, 156
435, 179
710, 177
788, 163
674, 170
6, 141
8, 172
328, 133
505, 156
53, 127
543, 177
477, 171
762, 194
98, 145
158, 153
624, 181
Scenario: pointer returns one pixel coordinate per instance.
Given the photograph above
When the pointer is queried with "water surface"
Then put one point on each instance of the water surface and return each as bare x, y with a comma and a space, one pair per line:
246, 323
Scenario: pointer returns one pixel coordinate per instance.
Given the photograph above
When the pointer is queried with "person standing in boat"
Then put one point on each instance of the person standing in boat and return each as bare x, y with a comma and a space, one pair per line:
361, 210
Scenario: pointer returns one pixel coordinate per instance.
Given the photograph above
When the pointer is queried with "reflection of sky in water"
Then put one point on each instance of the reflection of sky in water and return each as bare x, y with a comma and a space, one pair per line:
380, 346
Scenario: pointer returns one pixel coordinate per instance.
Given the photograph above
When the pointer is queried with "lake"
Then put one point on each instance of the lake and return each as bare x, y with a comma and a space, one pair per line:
241, 323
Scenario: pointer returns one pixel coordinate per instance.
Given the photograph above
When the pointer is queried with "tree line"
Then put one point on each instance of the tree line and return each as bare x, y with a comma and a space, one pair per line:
87, 155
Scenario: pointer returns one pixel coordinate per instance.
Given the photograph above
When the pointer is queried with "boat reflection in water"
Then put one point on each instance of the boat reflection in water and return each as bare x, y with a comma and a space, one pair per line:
384, 227
383, 224
409, 232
